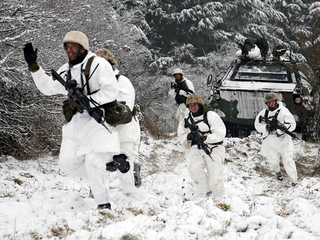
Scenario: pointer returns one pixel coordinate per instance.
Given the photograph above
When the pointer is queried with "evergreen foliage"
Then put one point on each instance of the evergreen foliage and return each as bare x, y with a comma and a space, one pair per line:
148, 38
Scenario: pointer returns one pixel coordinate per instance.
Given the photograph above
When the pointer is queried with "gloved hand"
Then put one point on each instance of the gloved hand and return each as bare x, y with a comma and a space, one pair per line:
70, 84
190, 137
30, 55
269, 128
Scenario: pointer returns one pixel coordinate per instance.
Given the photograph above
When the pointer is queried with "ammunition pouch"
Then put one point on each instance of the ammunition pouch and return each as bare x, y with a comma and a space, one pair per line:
117, 113
70, 108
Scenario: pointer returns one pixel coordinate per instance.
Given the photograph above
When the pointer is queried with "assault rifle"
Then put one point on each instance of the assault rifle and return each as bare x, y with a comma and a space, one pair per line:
275, 124
182, 86
198, 139
83, 100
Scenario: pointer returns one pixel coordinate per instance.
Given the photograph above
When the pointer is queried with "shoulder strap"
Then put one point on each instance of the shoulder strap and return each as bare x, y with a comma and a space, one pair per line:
276, 115
191, 119
87, 73
205, 120
267, 113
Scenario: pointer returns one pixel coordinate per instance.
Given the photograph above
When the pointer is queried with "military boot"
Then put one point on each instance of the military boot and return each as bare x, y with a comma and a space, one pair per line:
279, 175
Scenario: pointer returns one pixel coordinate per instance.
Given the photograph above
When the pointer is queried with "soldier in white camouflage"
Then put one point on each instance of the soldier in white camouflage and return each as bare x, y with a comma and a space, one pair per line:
205, 170
277, 145
179, 91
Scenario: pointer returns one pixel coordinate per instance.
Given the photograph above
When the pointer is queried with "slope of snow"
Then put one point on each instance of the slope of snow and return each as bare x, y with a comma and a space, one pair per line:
37, 201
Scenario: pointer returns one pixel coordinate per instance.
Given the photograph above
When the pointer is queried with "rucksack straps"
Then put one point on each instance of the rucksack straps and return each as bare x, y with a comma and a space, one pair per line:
86, 72
275, 116
205, 120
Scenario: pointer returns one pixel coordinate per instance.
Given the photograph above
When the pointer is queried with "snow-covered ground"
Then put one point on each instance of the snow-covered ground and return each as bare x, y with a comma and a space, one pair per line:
37, 201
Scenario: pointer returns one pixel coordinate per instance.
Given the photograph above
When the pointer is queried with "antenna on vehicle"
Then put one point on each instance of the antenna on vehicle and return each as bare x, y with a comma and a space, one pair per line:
290, 58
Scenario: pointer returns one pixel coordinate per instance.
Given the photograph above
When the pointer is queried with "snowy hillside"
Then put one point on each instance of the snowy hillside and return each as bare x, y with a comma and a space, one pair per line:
37, 201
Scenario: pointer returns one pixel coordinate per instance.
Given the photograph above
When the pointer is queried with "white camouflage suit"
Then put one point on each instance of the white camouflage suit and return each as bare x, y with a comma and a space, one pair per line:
206, 174
86, 145
129, 134
274, 146
182, 110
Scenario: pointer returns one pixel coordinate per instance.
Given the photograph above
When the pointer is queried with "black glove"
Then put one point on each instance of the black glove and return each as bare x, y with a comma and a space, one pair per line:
30, 55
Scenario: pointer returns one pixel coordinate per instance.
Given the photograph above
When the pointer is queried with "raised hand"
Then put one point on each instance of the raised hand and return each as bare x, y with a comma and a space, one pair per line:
30, 54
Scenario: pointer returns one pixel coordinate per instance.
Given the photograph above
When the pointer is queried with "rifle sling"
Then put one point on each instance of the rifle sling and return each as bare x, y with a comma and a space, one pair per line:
216, 144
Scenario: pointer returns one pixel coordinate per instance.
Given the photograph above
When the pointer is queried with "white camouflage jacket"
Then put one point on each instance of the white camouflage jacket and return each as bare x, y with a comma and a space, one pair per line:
91, 135
284, 117
215, 132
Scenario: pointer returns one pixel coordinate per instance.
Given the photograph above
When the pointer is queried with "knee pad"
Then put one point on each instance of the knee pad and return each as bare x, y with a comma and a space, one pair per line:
121, 163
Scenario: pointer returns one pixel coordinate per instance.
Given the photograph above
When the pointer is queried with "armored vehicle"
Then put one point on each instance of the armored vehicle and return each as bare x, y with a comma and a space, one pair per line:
238, 95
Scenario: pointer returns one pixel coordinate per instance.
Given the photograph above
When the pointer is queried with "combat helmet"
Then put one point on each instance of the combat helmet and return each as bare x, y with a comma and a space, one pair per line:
77, 37
194, 98
271, 96
106, 54
177, 71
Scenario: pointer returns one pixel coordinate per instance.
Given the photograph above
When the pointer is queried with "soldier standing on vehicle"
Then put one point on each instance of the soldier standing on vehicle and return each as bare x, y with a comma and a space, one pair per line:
180, 91
86, 145
205, 169
249, 51
277, 143
129, 133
